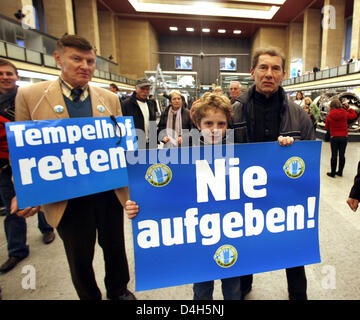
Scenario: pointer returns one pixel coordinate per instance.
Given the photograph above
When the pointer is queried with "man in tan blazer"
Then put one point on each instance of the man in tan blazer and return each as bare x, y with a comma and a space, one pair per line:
78, 220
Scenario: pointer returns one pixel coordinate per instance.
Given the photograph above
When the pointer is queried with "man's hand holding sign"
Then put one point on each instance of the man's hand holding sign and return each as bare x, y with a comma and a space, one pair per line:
26, 212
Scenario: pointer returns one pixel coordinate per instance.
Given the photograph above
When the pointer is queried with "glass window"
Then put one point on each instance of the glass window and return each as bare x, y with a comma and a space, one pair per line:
2, 49
49, 61
33, 56
348, 33
15, 52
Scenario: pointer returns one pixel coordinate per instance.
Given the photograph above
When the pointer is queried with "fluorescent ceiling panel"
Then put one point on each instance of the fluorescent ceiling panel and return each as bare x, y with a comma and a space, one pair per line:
36, 75
205, 8
278, 2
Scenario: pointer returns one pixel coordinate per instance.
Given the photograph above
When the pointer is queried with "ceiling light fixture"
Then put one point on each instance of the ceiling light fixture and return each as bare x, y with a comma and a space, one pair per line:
237, 31
173, 28
207, 8
189, 29
278, 2
221, 30
36, 75
205, 30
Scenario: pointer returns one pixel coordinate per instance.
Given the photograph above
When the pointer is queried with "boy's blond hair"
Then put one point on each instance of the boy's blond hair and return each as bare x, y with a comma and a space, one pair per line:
212, 101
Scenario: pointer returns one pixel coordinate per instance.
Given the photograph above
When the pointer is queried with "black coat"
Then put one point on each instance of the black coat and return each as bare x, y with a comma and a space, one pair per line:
130, 107
294, 121
355, 190
185, 118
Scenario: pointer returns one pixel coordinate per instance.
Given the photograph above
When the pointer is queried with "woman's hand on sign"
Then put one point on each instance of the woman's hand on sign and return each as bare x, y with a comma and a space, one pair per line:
131, 209
285, 141
27, 212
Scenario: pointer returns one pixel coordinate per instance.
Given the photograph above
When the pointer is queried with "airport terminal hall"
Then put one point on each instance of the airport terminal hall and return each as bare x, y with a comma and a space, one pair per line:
176, 151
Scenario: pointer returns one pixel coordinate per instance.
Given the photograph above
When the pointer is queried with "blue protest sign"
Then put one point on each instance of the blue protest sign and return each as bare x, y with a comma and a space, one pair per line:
247, 208
54, 160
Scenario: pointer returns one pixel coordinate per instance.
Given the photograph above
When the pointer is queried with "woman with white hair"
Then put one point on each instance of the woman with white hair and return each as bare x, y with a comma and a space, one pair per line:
174, 119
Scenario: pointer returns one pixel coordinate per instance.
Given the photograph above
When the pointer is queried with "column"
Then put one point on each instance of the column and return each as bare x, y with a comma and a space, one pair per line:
333, 33
10, 7
107, 31
59, 17
311, 49
294, 44
270, 37
355, 35
86, 20
136, 46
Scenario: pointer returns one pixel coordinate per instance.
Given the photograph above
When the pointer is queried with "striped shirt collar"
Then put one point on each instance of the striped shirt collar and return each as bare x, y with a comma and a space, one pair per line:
66, 90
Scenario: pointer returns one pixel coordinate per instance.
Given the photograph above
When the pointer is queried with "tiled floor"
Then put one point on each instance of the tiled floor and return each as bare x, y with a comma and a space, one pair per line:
336, 277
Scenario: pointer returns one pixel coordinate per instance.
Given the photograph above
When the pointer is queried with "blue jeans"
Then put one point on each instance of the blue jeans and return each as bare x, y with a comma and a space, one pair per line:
15, 226
230, 289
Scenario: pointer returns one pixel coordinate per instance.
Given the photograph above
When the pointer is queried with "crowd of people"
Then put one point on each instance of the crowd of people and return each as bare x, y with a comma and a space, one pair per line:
262, 113
311, 109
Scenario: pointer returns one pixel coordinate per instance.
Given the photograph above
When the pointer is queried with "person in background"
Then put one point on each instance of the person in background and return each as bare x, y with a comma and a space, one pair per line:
218, 90
336, 122
139, 107
308, 111
234, 90
354, 196
312, 110
15, 227
173, 120
114, 88
154, 104
299, 99
83, 220
352, 59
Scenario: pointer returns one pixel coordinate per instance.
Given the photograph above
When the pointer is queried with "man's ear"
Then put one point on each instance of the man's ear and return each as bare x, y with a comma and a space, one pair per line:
283, 76
57, 57
252, 72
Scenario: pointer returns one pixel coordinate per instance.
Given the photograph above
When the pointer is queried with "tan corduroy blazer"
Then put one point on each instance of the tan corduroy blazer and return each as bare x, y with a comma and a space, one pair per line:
37, 102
